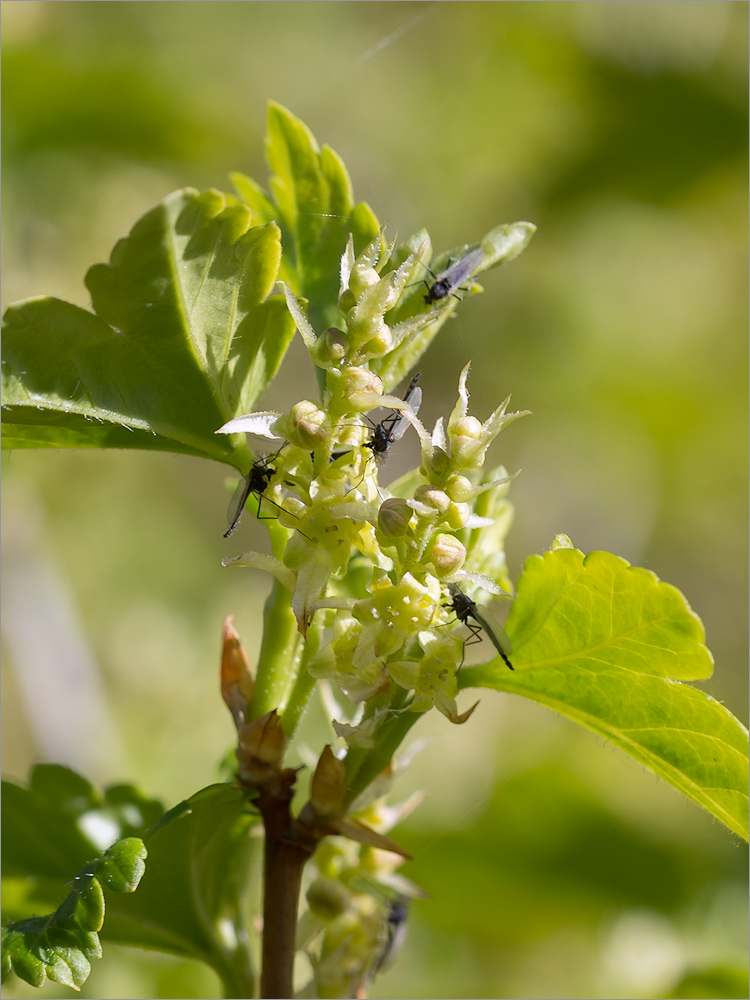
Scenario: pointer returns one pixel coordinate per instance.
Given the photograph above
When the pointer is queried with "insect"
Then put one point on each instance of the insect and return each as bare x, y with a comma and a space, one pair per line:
464, 609
255, 482
393, 428
395, 932
449, 281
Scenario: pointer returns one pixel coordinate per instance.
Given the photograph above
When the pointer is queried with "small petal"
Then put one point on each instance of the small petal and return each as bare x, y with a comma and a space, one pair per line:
264, 423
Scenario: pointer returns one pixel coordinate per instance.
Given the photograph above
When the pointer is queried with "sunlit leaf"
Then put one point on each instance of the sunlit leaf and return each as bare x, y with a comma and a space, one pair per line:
610, 646
184, 335
312, 201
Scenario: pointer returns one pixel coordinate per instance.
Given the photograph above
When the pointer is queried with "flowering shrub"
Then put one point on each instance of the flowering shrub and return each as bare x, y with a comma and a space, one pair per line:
375, 591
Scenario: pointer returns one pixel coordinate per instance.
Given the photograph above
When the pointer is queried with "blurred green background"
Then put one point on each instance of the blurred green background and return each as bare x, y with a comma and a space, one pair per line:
557, 867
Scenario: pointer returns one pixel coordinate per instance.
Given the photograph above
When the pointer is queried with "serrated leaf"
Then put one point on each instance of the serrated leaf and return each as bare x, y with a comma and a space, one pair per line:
312, 201
62, 945
195, 883
89, 909
42, 948
123, 865
184, 335
602, 643
41, 838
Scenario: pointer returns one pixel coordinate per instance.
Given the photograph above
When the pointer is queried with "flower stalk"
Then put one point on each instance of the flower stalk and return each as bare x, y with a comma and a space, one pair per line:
361, 594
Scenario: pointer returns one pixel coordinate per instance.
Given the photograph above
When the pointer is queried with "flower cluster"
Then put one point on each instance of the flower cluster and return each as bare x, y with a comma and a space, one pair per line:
369, 566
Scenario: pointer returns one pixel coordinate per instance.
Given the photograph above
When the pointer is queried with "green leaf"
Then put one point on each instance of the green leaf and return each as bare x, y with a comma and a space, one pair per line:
52, 828
122, 867
195, 885
608, 645
185, 334
194, 888
61, 946
312, 201
89, 906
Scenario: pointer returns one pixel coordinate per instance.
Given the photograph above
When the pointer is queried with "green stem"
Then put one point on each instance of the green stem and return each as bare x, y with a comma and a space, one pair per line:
304, 684
278, 662
363, 766
298, 699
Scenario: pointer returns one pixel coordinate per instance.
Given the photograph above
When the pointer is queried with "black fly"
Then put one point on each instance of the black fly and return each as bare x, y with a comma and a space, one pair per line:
449, 281
393, 428
254, 483
464, 609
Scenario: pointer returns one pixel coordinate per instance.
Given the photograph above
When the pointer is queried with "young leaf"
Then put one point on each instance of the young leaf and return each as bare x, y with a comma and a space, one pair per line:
185, 334
61, 946
609, 645
312, 201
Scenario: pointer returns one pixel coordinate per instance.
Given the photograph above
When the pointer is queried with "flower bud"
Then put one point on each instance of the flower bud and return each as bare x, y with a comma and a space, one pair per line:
333, 345
433, 497
380, 344
447, 555
465, 427
310, 426
394, 516
467, 442
437, 464
347, 301
363, 274
362, 278
458, 515
237, 682
460, 489
328, 898
355, 380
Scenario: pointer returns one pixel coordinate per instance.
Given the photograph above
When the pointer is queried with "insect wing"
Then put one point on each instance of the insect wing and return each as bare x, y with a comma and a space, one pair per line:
414, 398
238, 501
398, 912
454, 275
457, 273
495, 633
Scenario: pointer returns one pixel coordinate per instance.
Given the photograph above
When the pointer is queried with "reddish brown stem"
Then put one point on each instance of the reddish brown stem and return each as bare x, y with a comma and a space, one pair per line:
285, 857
